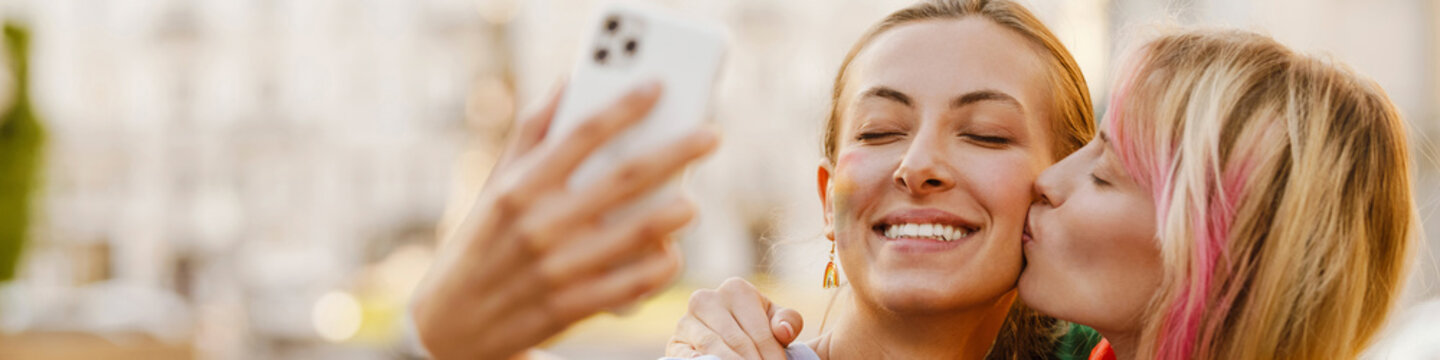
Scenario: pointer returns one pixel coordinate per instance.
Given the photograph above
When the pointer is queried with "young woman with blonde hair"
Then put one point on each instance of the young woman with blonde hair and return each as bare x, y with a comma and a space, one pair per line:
1242, 201
929, 245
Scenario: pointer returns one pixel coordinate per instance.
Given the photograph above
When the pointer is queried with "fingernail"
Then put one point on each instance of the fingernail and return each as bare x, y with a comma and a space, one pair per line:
682, 203
789, 330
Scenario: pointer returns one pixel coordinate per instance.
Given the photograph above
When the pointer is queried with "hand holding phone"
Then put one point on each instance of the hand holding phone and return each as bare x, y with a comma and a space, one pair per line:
543, 246
534, 256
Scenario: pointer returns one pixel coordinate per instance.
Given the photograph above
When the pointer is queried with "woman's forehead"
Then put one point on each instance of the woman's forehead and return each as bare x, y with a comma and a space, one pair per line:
935, 61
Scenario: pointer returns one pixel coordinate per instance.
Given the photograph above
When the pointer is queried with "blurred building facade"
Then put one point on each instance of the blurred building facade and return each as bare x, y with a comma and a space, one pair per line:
217, 167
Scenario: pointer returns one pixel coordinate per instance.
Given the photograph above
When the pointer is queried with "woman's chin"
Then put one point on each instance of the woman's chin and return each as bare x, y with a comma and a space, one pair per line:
918, 296
1034, 296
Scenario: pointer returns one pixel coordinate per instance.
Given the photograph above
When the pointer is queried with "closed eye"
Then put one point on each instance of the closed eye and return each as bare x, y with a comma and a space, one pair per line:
990, 140
1098, 181
872, 136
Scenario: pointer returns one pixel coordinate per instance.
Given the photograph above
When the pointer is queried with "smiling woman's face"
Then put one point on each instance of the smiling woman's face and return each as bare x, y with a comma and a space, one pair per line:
944, 128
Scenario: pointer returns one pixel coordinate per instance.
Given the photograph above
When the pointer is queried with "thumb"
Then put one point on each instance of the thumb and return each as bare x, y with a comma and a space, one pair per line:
785, 323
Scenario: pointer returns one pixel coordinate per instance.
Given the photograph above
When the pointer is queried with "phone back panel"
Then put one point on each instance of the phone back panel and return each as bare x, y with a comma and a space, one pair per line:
626, 46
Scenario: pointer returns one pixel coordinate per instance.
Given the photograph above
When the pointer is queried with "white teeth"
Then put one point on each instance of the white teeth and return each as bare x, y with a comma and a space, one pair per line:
935, 231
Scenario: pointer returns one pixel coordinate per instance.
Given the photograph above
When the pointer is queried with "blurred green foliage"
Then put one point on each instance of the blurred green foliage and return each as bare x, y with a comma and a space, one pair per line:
21, 140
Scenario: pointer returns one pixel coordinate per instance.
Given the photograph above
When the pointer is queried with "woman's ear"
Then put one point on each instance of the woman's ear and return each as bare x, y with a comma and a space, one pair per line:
822, 179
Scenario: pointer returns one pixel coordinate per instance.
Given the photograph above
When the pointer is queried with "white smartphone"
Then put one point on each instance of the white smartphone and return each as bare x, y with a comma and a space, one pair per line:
628, 45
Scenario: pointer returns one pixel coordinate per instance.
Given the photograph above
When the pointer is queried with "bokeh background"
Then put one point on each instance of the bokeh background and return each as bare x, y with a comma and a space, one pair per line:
268, 179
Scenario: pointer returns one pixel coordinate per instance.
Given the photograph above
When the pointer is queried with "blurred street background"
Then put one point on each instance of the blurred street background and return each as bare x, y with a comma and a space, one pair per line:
268, 179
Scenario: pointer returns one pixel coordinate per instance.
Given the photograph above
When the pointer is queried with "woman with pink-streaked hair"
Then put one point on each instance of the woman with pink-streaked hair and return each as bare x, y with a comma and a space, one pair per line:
1242, 201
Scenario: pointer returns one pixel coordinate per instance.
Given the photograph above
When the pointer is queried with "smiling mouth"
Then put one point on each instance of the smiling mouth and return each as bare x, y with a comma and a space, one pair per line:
937, 232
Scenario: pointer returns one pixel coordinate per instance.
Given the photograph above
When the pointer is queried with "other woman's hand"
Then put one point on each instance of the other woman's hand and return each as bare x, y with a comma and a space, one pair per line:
734, 321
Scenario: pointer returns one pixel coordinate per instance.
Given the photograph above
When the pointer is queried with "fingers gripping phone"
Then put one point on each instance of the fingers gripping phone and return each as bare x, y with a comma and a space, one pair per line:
628, 45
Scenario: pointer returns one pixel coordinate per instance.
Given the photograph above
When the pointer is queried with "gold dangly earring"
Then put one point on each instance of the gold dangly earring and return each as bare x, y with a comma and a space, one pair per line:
832, 275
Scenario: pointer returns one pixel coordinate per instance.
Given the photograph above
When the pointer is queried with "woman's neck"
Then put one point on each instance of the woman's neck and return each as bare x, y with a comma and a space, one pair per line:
1123, 344
870, 332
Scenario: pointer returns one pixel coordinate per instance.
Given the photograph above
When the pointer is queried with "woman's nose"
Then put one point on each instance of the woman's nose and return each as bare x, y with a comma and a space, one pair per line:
1040, 197
924, 170
1049, 188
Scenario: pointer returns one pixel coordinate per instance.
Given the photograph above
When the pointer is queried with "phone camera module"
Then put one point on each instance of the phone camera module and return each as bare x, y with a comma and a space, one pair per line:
616, 44
601, 55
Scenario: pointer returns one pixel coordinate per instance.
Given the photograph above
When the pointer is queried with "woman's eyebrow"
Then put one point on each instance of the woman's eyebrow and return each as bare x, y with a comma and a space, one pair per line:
1105, 144
1109, 160
972, 97
887, 93
986, 95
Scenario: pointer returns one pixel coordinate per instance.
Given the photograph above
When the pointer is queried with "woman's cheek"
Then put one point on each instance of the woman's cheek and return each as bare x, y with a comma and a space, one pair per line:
1008, 183
847, 181
1091, 225
861, 179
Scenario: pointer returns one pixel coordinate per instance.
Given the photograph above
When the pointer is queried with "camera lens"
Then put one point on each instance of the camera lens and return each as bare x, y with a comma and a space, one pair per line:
600, 55
611, 24
630, 46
